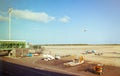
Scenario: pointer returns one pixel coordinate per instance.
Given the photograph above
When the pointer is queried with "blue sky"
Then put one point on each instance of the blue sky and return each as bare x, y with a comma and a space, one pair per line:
62, 21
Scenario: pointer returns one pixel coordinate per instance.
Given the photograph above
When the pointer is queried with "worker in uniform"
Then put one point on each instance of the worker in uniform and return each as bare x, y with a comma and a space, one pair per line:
81, 59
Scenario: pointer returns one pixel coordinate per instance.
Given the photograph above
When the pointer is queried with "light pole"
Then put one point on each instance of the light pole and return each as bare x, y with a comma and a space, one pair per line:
9, 28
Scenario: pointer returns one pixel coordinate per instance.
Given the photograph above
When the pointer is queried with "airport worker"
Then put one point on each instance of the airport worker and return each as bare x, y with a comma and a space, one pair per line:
81, 60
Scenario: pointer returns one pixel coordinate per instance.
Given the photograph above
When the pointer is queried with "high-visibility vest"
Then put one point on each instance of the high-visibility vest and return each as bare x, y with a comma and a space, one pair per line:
81, 58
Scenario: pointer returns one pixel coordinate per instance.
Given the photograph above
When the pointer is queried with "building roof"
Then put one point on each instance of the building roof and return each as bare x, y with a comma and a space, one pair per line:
14, 40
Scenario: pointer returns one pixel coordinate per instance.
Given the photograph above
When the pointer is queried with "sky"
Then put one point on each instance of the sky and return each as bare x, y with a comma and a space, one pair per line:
61, 21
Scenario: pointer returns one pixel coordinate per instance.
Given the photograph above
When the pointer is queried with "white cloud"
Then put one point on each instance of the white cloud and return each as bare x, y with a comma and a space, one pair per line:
65, 19
34, 16
3, 18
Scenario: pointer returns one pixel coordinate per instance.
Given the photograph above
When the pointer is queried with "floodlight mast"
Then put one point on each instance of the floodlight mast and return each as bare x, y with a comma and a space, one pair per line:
9, 28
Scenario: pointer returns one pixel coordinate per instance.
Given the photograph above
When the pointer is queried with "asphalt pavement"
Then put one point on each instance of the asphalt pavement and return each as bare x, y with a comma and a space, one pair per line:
11, 69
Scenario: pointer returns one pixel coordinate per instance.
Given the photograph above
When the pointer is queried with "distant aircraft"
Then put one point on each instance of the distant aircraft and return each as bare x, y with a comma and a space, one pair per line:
84, 30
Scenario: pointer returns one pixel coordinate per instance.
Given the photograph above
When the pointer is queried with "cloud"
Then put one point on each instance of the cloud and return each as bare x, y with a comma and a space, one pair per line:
3, 18
64, 19
34, 16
